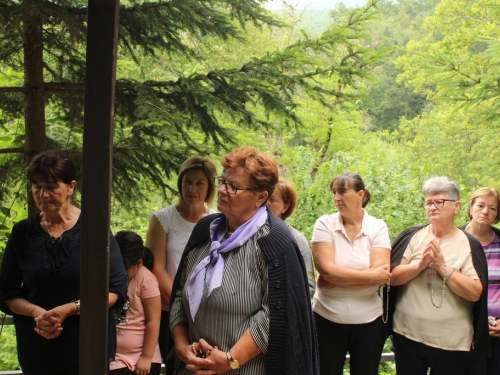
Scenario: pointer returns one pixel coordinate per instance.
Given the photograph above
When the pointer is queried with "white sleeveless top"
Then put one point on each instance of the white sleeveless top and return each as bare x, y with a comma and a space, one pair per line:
178, 232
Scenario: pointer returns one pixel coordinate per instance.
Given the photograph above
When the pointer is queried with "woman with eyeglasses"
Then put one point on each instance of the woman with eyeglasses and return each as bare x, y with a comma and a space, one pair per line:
352, 251
438, 289
170, 228
483, 212
240, 299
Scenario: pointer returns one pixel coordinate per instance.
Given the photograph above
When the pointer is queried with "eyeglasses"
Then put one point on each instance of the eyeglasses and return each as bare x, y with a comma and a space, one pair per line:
438, 203
230, 188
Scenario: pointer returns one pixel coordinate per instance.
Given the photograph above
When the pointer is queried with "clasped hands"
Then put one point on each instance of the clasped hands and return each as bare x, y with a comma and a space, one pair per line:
49, 323
203, 358
432, 254
494, 328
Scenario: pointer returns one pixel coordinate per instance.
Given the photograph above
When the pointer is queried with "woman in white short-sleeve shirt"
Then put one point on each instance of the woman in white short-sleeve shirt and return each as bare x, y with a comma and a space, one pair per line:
351, 250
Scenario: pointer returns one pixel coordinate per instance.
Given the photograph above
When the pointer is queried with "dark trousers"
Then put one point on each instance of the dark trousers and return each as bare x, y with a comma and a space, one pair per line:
415, 358
485, 366
164, 335
364, 342
155, 370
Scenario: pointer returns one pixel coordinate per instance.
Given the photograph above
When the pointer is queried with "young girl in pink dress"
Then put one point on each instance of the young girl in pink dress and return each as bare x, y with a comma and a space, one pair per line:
137, 336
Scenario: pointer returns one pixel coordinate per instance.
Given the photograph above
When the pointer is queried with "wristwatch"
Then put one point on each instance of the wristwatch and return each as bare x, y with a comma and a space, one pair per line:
233, 363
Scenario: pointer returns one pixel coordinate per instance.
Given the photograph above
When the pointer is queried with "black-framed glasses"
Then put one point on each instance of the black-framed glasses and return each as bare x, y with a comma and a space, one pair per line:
230, 188
438, 203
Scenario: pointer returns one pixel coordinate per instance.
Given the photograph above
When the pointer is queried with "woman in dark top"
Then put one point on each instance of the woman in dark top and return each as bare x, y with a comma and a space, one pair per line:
40, 273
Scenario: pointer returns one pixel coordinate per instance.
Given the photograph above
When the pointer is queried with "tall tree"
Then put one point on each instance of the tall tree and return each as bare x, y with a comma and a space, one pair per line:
162, 115
456, 64
388, 100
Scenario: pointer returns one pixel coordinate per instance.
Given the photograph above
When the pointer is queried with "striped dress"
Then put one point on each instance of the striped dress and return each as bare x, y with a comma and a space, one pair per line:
239, 304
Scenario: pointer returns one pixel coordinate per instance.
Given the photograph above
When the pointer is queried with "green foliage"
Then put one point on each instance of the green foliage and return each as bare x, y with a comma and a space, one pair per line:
455, 65
397, 91
8, 354
313, 20
182, 86
387, 100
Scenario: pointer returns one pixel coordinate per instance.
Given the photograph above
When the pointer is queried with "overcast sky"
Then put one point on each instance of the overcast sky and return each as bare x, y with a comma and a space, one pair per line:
313, 4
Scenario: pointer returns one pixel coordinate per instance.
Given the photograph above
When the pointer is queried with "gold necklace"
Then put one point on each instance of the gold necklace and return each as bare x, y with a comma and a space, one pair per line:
52, 238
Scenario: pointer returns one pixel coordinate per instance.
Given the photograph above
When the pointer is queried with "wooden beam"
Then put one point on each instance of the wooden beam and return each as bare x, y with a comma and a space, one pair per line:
102, 36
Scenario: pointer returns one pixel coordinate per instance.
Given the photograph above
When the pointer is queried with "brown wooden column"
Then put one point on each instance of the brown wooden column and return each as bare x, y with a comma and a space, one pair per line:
96, 183
34, 97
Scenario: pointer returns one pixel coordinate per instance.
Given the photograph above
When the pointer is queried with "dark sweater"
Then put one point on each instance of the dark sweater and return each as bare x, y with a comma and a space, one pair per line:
480, 312
292, 336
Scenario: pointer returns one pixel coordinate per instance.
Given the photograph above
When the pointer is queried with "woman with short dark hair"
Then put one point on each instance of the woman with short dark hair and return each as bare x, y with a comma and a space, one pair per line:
351, 250
40, 274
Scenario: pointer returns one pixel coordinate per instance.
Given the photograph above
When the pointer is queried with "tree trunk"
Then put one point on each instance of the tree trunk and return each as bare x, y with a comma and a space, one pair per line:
34, 98
324, 149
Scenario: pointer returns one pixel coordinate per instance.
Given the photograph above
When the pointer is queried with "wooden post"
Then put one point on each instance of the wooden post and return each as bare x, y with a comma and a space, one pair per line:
34, 96
102, 36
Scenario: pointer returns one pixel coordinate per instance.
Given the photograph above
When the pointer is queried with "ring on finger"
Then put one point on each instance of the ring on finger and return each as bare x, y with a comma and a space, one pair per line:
193, 348
210, 350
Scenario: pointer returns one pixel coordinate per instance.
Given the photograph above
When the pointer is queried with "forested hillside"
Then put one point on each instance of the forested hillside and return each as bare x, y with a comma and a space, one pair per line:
397, 91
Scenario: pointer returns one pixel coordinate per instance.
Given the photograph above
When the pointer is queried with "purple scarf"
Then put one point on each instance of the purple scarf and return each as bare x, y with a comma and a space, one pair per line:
213, 264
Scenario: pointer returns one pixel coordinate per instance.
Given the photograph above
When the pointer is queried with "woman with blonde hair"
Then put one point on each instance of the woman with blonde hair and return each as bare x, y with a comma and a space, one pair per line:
171, 226
483, 212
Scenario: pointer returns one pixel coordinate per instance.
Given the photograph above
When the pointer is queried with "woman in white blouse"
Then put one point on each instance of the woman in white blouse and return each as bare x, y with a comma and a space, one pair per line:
351, 250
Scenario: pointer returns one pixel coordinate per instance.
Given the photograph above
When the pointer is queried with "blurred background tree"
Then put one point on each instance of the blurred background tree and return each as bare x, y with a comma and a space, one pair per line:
397, 91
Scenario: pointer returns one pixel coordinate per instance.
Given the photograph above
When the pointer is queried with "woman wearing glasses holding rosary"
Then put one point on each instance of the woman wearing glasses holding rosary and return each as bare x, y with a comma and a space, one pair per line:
438, 286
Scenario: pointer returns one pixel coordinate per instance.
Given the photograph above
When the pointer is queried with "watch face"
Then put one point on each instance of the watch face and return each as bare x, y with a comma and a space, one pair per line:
234, 364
